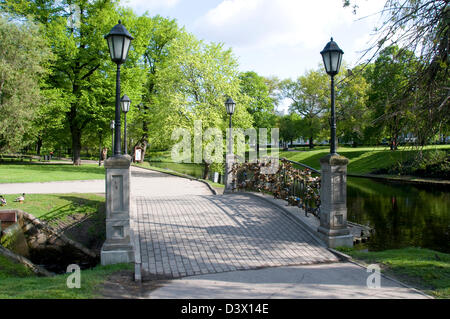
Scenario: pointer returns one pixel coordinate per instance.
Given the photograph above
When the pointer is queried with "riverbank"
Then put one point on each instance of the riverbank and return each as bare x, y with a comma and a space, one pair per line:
405, 179
363, 161
424, 269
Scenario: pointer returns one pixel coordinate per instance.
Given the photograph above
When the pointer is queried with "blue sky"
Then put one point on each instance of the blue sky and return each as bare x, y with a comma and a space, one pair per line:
280, 38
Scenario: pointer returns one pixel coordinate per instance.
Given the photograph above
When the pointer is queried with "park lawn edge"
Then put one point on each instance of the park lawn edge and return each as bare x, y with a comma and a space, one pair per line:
48, 172
419, 268
19, 283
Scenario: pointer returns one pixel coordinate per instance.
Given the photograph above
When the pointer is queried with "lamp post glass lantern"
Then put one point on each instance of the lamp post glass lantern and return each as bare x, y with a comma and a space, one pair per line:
332, 58
230, 105
119, 41
125, 103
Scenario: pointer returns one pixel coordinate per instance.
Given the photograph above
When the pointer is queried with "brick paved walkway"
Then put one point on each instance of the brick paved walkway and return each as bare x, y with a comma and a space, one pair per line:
201, 234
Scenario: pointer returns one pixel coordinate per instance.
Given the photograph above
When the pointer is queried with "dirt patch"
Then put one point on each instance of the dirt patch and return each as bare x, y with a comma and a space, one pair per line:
121, 285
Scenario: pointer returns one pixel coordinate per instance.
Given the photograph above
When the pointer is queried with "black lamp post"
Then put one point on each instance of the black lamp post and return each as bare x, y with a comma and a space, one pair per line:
119, 40
111, 126
230, 105
125, 104
332, 58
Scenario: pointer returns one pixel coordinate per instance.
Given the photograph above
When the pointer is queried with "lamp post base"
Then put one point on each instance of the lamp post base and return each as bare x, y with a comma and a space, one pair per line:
116, 252
336, 241
333, 228
118, 247
229, 176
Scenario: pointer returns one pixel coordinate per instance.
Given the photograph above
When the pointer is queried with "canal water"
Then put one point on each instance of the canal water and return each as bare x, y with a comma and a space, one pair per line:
402, 214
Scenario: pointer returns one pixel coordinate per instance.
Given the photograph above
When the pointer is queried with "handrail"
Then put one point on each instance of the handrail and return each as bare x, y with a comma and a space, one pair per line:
295, 185
303, 165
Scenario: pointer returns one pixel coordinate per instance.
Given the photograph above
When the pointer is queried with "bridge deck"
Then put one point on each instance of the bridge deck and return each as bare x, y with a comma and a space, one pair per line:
184, 235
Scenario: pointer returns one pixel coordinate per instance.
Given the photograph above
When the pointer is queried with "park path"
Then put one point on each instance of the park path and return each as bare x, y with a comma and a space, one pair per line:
144, 182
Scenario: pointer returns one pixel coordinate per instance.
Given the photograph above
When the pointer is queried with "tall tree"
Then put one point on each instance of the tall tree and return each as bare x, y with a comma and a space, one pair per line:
261, 105
193, 85
24, 57
158, 34
290, 128
421, 27
352, 111
82, 69
388, 79
309, 98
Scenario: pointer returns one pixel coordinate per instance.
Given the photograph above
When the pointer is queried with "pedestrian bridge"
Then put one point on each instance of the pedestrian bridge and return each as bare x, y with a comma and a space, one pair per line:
181, 229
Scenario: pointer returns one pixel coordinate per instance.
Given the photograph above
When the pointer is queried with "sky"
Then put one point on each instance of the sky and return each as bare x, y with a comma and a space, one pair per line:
280, 38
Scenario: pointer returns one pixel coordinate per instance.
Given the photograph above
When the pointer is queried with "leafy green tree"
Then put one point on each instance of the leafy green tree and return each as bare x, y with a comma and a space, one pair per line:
290, 128
193, 85
158, 35
309, 96
352, 112
388, 79
422, 27
24, 57
82, 71
261, 105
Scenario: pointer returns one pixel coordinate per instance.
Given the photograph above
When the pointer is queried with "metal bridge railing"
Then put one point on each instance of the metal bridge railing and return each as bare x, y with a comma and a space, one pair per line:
299, 187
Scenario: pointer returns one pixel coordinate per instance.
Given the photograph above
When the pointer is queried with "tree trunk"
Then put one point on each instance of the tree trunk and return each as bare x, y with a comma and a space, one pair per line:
311, 142
39, 145
76, 146
206, 171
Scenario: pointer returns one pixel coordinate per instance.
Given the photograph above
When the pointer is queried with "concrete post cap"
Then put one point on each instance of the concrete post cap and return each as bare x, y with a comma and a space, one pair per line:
121, 161
334, 159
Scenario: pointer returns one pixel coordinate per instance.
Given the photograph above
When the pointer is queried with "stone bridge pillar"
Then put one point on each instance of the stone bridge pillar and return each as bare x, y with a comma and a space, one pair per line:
118, 247
333, 196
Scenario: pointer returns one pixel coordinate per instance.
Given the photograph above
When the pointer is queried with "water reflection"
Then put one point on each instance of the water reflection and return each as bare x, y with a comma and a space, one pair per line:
402, 214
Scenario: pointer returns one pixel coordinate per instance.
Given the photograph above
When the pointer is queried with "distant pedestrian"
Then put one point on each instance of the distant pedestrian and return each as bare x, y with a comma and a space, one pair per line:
103, 156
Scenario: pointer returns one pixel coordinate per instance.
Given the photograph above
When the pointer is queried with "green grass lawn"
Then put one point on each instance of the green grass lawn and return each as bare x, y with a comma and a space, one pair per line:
56, 206
18, 282
41, 172
425, 269
363, 160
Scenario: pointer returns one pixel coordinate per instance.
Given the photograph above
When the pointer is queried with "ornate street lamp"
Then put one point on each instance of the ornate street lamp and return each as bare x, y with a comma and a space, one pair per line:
332, 58
125, 104
111, 126
119, 40
230, 105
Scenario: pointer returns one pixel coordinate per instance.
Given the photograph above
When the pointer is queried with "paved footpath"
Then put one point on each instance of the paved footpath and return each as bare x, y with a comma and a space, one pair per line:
192, 234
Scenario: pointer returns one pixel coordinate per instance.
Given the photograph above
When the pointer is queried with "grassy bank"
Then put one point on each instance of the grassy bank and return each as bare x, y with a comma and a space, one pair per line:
362, 160
18, 282
42, 172
425, 269
56, 206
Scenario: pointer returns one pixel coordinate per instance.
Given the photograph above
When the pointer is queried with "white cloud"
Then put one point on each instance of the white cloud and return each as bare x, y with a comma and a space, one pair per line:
271, 23
150, 5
